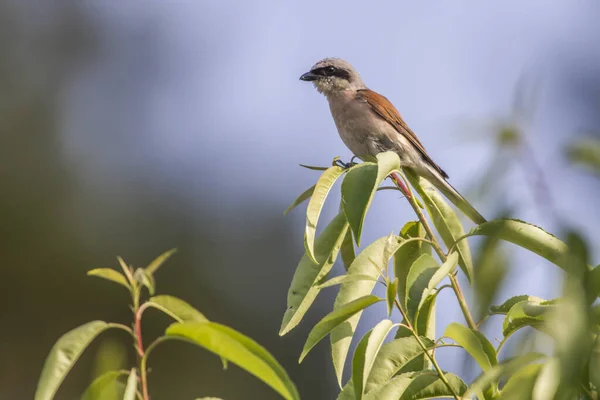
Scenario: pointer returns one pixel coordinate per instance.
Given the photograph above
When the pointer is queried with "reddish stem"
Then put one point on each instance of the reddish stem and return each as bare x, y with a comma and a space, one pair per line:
396, 178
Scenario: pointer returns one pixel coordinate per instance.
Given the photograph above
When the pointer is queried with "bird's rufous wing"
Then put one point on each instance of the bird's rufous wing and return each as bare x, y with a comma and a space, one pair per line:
386, 110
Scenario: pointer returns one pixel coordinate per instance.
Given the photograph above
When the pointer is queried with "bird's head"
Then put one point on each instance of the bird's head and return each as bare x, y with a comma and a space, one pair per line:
333, 75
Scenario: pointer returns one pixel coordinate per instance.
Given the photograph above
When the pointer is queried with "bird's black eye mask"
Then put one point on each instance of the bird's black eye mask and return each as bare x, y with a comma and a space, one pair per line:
331, 71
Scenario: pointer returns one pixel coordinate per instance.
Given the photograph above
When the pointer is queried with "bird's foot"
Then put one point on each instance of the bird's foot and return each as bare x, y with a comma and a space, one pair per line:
340, 163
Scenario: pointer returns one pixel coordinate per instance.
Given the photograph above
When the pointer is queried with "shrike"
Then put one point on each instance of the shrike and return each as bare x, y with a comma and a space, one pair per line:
369, 124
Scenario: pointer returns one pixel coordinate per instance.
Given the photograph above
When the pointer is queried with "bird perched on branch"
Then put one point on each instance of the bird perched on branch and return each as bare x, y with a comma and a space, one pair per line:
369, 124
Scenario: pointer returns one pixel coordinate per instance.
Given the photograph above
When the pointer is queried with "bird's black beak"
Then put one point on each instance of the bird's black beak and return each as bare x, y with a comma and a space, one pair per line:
309, 77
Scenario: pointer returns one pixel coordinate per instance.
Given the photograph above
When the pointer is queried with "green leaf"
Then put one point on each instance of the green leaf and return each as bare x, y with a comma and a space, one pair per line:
238, 349
417, 386
348, 254
126, 270
419, 276
158, 261
521, 383
528, 236
334, 319
314, 168
360, 185
491, 270
64, 355
301, 199
143, 277
505, 307
371, 261
338, 280
442, 272
445, 221
304, 287
106, 386
527, 313
594, 367
315, 205
425, 318
508, 367
391, 291
585, 152
176, 308
397, 357
131, 387
474, 343
111, 275
408, 253
365, 354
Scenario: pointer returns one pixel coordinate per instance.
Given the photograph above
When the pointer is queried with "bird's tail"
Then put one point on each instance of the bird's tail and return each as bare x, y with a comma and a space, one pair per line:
455, 197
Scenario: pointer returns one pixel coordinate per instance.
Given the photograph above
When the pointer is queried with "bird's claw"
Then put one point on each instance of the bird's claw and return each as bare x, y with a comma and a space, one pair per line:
344, 165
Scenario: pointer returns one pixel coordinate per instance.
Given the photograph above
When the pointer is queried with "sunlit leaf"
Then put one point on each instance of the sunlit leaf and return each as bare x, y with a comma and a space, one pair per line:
408, 253
176, 308
301, 199
521, 383
315, 205
238, 349
419, 276
360, 185
418, 386
106, 387
158, 261
146, 279
338, 280
391, 292
336, 318
131, 387
64, 355
304, 287
527, 313
347, 250
445, 221
505, 307
548, 380
365, 354
425, 318
474, 343
111, 275
371, 261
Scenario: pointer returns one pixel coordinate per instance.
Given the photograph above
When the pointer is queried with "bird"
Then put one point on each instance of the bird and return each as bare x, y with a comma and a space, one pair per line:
369, 124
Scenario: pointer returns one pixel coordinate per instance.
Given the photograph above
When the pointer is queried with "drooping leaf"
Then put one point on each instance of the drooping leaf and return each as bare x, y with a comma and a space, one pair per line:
445, 221
304, 287
442, 272
365, 354
336, 318
505, 307
419, 276
360, 185
474, 343
106, 387
301, 199
146, 279
527, 313
506, 368
397, 357
64, 355
418, 386
371, 261
348, 253
315, 205
176, 308
528, 236
408, 253
131, 387
111, 275
238, 349
391, 292
158, 261
338, 280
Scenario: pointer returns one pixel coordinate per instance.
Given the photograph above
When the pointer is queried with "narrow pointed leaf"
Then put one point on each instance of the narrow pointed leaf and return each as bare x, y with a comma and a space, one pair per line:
418, 386
425, 318
126, 270
365, 354
106, 386
176, 308
408, 253
158, 261
348, 253
445, 221
301, 199
315, 205
146, 279
371, 261
336, 318
131, 387
360, 185
314, 168
238, 349
64, 355
438, 276
304, 287
505, 307
419, 276
391, 291
111, 275
474, 343
338, 280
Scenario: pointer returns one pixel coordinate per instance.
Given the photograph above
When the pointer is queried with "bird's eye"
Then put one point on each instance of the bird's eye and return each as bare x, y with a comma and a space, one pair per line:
330, 70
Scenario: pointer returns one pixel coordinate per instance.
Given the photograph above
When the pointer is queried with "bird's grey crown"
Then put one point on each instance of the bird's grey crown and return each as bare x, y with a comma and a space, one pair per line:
338, 68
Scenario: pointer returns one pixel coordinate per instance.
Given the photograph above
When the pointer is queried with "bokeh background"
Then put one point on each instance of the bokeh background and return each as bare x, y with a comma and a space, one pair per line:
131, 127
